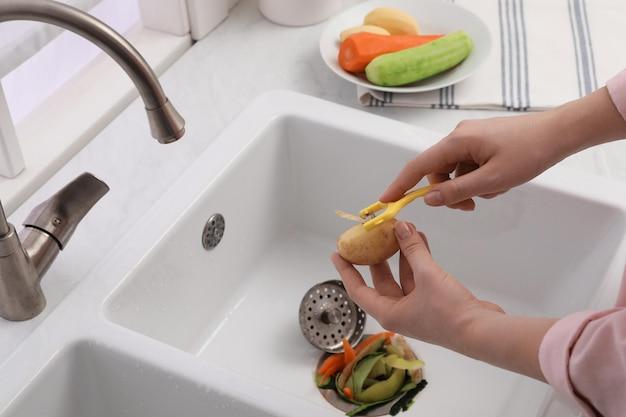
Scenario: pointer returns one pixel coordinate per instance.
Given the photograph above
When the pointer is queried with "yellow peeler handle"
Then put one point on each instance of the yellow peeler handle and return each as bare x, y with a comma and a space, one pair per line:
420, 192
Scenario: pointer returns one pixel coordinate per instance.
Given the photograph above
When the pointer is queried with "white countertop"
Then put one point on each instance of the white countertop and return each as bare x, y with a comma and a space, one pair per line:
210, 85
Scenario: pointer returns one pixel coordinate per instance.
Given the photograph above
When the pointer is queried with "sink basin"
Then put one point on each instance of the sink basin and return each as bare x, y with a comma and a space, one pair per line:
277, 175
164, 327
88, 380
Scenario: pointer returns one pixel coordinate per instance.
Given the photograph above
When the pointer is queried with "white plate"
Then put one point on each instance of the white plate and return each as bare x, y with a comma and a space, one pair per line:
433, 16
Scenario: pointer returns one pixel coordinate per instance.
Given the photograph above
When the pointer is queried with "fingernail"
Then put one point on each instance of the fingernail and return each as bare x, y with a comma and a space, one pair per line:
403, 230
434, 198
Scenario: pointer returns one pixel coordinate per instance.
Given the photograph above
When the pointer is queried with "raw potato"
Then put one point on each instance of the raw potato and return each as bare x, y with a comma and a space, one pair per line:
363, 28
362, 247
395, 21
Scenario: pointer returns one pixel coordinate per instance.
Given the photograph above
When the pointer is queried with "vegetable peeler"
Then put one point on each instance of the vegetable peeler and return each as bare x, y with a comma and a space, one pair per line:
391, 209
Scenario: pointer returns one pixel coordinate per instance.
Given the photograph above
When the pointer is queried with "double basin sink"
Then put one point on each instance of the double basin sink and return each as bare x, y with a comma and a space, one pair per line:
164, 327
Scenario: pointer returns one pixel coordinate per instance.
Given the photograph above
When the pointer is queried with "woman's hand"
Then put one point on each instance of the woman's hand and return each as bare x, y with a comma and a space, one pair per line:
427, 304
431, 305
487, 157
480, 158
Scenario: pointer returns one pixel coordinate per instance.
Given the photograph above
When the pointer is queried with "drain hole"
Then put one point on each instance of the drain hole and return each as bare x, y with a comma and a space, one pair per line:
213, 231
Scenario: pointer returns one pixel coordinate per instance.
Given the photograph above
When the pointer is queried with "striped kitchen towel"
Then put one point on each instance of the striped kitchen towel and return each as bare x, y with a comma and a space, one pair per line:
546, 52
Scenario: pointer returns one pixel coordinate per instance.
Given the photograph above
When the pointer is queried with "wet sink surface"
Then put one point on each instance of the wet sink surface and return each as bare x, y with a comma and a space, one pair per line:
277, 179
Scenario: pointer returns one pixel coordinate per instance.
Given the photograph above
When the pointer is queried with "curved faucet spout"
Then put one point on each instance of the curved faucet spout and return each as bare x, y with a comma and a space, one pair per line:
166, 124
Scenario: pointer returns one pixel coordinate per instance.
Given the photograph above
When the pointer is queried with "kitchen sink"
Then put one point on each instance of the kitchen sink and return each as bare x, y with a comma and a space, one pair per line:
542, 249
89, 380
181, 321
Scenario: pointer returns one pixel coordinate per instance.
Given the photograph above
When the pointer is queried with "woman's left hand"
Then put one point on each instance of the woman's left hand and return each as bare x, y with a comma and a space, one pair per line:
431, 305
427, 304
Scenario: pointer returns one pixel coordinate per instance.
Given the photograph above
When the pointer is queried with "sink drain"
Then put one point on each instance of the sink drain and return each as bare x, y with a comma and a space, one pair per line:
213, 231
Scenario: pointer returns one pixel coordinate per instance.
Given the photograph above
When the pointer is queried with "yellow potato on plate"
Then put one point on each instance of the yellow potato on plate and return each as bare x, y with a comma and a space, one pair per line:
395, 21
362, 28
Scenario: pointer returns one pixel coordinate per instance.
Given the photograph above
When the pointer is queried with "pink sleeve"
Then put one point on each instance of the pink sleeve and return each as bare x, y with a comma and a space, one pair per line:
617, 91
583, 357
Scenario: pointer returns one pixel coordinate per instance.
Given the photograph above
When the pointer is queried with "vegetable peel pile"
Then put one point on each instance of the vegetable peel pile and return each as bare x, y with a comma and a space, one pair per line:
379, 370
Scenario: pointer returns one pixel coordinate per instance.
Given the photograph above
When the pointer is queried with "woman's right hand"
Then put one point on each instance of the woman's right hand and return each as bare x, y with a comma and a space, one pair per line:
486, 157
481, 158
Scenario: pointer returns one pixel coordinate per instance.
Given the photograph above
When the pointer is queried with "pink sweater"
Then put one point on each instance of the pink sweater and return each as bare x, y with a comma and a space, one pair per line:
583, 356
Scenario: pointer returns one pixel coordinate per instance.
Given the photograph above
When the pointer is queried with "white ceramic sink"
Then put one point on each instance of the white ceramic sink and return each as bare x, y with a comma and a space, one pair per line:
88, 380
230, 314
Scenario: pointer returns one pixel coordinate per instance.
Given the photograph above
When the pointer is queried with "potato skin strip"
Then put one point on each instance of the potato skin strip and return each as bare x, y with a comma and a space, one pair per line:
348, 216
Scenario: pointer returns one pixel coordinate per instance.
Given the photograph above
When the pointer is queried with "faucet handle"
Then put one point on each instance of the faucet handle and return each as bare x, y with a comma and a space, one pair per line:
59, 215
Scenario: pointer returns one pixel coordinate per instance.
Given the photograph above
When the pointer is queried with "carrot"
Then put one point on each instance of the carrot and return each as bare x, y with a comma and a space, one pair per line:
332, 370
331, 362
348, 352
358, 50
347, 392
338, 361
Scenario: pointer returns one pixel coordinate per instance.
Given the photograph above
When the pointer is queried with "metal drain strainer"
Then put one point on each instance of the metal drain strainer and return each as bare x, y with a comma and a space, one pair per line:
327, 315
213, 231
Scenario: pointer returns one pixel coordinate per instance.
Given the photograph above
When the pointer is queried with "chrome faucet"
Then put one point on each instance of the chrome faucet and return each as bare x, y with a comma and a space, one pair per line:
166, 124
24, 259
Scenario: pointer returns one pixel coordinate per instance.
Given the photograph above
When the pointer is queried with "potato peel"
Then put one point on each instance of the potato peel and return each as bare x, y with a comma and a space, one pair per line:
349, 216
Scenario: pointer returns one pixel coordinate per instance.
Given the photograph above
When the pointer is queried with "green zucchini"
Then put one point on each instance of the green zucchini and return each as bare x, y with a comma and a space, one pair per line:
347, 371
382, 390
379, 370
415, 64
400, 363
362, 370
405, 402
